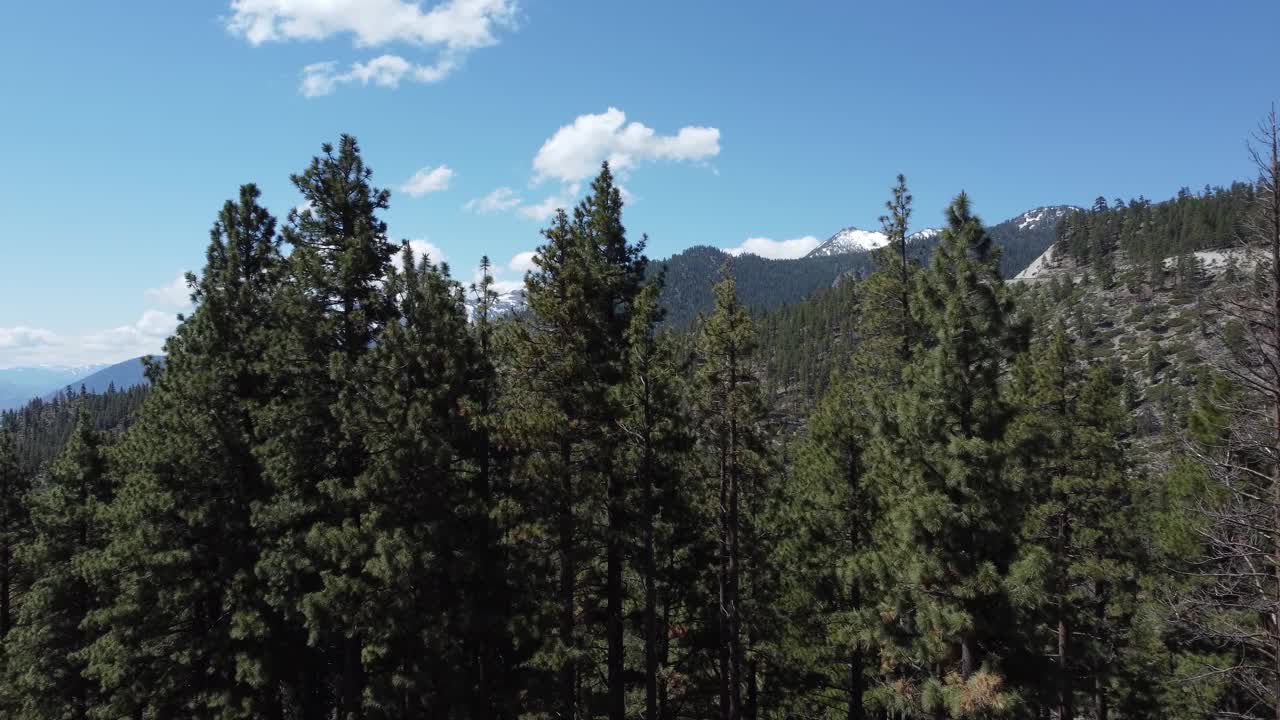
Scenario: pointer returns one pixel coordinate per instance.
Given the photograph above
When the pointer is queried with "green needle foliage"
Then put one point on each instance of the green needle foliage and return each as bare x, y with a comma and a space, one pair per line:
356, 490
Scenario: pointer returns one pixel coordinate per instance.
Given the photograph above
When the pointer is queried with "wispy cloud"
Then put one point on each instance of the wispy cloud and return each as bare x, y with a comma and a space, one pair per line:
504, 198
428, 180
176, 295
776, 249
451, 28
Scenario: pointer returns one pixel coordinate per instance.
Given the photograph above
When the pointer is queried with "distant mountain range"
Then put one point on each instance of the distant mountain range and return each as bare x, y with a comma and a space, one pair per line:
852, 239
22, 384
763, 284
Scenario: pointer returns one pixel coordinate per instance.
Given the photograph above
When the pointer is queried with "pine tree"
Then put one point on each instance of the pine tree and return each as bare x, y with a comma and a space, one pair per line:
938, 456
332, 307
408, 555
836, 573
15, 526
495, 682
568, 357
731, 414
889, 292
46, 647
1077, 554
657, 435
186, 631
830, 550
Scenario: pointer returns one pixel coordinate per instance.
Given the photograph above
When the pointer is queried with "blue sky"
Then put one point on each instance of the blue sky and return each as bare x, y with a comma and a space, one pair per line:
128, 124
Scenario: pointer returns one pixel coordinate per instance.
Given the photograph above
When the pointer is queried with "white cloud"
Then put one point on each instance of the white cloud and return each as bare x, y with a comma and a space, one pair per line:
522, 262
545, 209
501, 285
22, 346
388, 71
428, 180
28, 347
452, 27
504, 198
175, 295
576, 150
421, 249
25, 337
156, 324
455, 24
776, 249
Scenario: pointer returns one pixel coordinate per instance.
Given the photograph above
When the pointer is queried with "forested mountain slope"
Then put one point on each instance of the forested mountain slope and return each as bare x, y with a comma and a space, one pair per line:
766, 284
41, 428
926, 493
1159, 280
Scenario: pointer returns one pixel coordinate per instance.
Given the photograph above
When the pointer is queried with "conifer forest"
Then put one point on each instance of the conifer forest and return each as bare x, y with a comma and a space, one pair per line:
939, 487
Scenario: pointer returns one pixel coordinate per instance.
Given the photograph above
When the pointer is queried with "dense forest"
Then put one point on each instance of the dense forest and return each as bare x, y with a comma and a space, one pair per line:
356, 491
769, 284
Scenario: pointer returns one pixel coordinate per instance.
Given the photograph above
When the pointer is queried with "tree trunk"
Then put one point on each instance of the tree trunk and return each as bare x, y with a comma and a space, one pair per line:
352, 678
650, 592
735, 624
568, 572
1064, 670
856, 711
968, 656
664, 640
1274, 231
1100, 697
722, 580
1064, 627
6, 590
1100, 674
613, 609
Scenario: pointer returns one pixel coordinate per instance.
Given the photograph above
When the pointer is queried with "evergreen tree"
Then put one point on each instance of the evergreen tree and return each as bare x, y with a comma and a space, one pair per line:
939, 456
657, 436
407, 554
895, 271
837, 575
186, 631
46, 647
731, 414
1077, 555
332, 307
489, 588
15, 527
568, 357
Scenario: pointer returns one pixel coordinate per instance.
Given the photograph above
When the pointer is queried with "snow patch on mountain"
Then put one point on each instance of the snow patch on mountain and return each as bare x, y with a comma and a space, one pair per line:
853, 239
850, 239
506, 303
1033, 219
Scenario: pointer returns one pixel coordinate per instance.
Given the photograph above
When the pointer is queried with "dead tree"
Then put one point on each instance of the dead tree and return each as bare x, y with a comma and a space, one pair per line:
1236, 601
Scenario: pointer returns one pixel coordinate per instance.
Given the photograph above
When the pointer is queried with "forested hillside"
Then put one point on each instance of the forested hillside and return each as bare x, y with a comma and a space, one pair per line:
41, 428
766, 284
357, 490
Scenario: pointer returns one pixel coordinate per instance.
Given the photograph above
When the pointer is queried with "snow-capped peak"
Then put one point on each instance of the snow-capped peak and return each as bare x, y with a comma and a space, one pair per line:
853, 239
924, 234
850, 239
1033, 219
